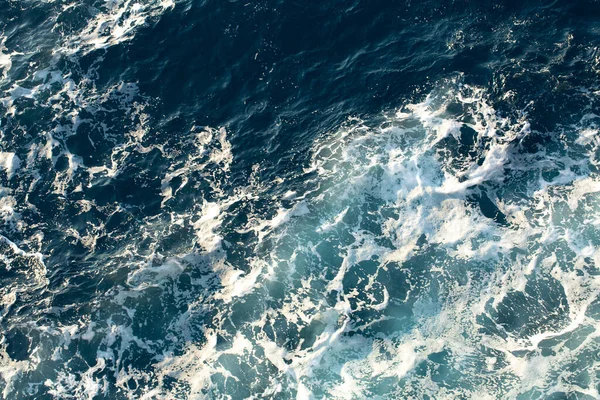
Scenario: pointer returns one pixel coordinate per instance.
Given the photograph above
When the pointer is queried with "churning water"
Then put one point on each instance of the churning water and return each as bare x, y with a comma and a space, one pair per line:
299, 199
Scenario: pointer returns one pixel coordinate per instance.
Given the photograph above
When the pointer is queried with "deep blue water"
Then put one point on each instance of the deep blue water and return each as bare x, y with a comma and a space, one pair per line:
296, 200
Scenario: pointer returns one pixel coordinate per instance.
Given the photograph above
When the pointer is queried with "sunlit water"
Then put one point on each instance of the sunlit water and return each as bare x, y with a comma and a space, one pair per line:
341, 200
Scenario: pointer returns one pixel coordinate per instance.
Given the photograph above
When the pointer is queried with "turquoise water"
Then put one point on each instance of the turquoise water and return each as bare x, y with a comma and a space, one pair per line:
340, 200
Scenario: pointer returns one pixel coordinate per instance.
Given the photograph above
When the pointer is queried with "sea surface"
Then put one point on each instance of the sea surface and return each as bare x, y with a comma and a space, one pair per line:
298, 199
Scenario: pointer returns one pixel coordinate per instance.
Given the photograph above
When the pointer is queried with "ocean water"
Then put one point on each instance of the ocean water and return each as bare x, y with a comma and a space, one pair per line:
287, 199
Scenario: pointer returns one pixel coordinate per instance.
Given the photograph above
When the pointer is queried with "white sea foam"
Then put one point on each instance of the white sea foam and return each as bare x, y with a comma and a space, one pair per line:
6, 58
430, 201
388, 229
112, 23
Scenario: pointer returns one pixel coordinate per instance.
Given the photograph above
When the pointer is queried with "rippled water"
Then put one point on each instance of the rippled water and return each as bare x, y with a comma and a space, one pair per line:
295, 200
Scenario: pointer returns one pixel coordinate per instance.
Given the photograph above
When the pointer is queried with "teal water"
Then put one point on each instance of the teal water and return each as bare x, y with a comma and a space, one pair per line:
288, 200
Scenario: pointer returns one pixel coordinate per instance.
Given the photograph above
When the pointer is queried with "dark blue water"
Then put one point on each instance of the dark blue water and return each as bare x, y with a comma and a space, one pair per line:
296, 200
